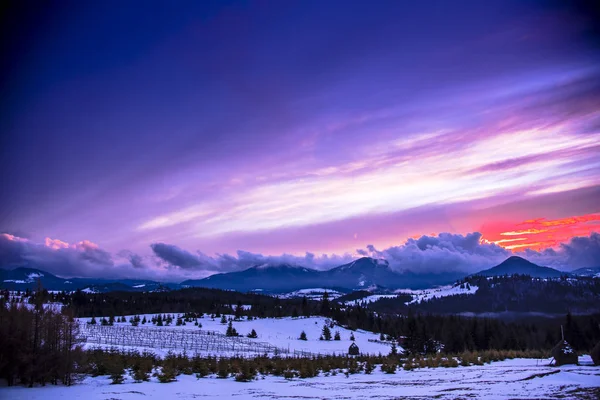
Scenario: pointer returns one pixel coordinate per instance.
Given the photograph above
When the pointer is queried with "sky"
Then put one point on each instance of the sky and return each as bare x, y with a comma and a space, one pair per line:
179, 140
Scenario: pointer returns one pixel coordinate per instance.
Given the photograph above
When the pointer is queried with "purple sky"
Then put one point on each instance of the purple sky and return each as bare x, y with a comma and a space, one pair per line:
287, 127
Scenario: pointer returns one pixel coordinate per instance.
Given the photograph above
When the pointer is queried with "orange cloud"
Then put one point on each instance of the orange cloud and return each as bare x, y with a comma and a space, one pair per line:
540, 233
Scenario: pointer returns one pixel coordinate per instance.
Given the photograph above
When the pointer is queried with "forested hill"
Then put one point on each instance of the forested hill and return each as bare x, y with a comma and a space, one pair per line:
517, 293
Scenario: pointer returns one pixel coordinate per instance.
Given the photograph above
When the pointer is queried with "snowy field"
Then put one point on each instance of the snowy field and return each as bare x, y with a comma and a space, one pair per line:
311, 294
443, 291
369, 299
280, 333
511, 379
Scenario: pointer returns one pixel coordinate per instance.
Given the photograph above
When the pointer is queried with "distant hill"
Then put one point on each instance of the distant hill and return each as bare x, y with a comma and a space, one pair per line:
587, 272
267, 278
366, 273
23, 278
517, 265
362, 274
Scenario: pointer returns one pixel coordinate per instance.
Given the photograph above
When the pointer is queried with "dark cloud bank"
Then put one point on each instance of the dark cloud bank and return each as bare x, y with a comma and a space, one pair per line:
444, 252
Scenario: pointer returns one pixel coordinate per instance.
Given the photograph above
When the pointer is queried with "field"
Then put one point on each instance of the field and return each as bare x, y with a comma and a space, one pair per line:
275, 335
510, 379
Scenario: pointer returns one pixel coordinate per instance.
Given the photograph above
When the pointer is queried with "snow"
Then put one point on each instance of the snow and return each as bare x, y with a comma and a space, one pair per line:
519, 378
88, 290
443, 291
282, 333
139, 286
15, 281
312, 294
369, 299
34, 275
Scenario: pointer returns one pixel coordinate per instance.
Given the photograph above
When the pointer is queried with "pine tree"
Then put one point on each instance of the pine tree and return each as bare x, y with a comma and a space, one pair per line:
223, 319
252, 334
352, 336
326, 332
302, 336
394, 349
337, 336
325, 304
231, 330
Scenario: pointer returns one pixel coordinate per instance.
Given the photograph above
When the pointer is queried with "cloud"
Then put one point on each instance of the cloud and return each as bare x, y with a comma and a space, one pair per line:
583, 251
175, 256
81, 259
136, 260
442, 253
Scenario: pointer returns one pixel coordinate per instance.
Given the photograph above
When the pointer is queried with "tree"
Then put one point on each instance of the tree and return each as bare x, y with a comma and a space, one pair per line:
239, 311
252, 334
393, 349
223, 319
302, 336
353, 350
231, 330
325, 304
352, 336
326, 332
337, 336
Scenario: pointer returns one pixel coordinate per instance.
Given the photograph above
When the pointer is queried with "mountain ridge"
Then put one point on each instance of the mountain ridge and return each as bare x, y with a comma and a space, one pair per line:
359, 274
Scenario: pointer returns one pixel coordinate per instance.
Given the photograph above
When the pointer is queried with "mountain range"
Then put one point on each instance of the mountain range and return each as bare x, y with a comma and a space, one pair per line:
362, 274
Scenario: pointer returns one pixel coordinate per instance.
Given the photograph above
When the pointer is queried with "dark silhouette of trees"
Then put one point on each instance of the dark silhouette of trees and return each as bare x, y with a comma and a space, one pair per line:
37, 346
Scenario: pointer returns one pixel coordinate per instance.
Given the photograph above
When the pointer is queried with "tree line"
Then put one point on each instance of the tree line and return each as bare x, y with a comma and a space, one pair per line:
38, 345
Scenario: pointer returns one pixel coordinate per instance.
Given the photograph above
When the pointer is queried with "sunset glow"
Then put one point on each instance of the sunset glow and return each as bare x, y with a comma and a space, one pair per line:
314, 132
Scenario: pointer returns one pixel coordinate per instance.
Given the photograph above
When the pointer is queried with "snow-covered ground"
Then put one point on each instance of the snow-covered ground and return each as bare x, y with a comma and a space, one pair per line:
311, 294
369, 299
282, 333
510, 379
443, 291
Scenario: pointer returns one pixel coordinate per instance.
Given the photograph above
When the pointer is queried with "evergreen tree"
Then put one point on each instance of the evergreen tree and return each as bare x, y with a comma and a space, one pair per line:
393, 349
252, 334
326, 332
325, 304
231, 330
302, 336
337, 336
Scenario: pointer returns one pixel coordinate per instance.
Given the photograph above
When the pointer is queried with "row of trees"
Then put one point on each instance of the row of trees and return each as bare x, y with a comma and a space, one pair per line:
37, 345
142, 366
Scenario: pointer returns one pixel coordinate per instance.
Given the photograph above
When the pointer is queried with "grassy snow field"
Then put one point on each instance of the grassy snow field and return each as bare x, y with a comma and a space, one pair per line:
442, 291
282, 333
510, 379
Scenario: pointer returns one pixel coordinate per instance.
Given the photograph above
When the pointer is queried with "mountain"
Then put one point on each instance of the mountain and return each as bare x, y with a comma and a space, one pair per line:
23, 278
362, 274
587, 272
517, 265
267, 278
